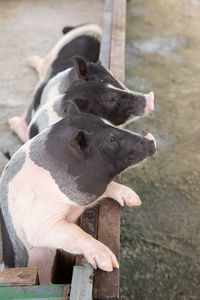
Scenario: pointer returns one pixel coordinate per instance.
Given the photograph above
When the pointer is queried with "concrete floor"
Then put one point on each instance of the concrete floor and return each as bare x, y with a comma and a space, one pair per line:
31, 27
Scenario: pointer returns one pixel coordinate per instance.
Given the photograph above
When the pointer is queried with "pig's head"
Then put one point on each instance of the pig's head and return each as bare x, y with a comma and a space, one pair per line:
98, 92
94, 151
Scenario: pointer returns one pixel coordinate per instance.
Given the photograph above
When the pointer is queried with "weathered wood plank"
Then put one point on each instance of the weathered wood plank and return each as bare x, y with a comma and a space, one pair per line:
82, 283
63, 267
19, 276
117, 58
89, 223
107, 33
106, 284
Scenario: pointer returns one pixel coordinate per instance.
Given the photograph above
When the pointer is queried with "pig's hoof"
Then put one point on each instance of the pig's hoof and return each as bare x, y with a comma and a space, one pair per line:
19, 126
127, 196
100, 256
35, 62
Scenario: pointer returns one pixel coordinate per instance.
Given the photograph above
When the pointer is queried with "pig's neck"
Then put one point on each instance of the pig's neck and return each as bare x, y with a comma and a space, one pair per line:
53, 158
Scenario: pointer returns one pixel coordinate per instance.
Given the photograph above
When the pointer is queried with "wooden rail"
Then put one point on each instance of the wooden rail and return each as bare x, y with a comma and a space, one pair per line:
103, 221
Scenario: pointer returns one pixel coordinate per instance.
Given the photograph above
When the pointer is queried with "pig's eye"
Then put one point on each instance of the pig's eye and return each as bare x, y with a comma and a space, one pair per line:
112, 139
111, 102
112, 142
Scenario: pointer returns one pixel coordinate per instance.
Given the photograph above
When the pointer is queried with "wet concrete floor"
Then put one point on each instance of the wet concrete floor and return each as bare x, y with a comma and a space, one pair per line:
160, 241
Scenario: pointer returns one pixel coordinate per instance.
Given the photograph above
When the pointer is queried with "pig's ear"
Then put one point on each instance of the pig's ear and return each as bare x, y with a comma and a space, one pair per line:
80, 143
71, 108
80, 65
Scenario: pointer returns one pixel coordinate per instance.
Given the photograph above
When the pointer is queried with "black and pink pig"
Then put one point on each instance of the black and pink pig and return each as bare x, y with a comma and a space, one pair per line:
53, 178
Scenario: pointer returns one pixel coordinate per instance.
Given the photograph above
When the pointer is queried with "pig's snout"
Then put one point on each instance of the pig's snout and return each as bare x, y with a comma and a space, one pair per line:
150, 137
149, 103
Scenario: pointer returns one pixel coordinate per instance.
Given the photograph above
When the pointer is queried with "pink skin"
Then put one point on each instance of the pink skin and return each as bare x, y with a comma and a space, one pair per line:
149, 103
20, 127
45, 219
37, 63
150, 137
40, 64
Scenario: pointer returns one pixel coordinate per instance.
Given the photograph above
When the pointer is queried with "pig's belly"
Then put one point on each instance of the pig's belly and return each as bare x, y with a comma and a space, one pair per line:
43, 259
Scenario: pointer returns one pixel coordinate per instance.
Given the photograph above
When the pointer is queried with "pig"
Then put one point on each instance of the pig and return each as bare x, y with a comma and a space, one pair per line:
83, 40
91, 86
53, 178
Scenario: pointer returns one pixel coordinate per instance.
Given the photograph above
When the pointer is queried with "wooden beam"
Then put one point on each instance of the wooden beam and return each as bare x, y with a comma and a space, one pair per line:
106, 284
63, 267
117, 57
107, 34
19, 276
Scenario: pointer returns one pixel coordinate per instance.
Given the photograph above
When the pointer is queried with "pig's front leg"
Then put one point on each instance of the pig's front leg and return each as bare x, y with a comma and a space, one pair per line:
20, 127
122, 194
36, 62
71, 238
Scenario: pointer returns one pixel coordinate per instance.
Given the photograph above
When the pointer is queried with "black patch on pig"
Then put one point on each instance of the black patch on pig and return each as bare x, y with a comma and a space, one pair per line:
33, 130
14, 251
7, 155
8, 252
35, 103
67, 29
29, 113
85, 46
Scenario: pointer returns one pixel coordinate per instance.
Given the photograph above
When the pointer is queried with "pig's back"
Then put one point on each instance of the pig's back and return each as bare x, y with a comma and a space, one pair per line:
82, 41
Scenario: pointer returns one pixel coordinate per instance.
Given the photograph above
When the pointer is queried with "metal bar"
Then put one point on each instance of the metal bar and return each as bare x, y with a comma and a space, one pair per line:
45, 292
